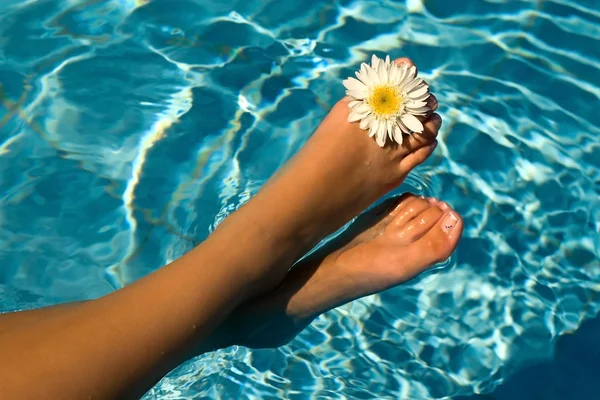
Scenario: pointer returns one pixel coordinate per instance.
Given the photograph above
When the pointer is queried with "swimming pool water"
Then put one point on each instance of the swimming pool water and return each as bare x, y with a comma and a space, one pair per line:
129, 129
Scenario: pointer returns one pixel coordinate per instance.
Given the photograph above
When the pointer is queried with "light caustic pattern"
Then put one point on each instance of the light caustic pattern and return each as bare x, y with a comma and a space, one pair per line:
129, 129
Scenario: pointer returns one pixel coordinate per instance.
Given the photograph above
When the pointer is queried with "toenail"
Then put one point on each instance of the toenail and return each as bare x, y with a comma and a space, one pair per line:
432, 200
444, 206
449, 222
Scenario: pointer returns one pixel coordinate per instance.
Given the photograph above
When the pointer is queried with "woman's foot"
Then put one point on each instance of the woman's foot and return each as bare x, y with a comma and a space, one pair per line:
383, 248
335, 176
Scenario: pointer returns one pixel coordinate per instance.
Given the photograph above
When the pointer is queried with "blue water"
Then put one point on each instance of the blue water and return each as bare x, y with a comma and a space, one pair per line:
129, 129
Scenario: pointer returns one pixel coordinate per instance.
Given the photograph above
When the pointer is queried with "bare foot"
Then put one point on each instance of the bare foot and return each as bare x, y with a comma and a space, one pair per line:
341, 155
335, 176
383, 248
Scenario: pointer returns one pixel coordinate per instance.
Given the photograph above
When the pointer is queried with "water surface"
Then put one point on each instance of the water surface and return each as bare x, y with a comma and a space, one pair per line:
130, 129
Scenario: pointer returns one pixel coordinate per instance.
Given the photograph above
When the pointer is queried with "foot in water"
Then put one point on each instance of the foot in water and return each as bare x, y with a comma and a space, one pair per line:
384, 247
301, 197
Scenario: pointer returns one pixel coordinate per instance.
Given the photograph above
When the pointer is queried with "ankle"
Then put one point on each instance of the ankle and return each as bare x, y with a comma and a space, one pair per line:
259, 247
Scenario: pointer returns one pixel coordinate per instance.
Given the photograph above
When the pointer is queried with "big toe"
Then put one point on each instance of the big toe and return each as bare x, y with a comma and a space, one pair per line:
420, 146
435, 245
443, 237
420, 217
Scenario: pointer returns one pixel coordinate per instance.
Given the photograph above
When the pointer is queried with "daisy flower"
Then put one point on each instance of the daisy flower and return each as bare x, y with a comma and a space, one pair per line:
386, 98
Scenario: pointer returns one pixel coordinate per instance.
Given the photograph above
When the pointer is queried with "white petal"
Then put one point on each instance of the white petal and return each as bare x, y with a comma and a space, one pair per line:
381, 136
363, 108
412, 72
412, 85
373, 77
416, 104
389, 124
363, 70
406, 79
356, 116
363, 77
366, 122
412, 123
403, 71
357, 95
354, 84
393, 74
382, 129
383, 75
374, 61
419, 85
416, 93
374, 127
397, 133
418, 110
422, 97
403, 127
354, 103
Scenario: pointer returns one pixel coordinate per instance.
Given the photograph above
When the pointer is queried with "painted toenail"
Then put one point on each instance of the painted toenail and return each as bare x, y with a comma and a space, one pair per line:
449, 222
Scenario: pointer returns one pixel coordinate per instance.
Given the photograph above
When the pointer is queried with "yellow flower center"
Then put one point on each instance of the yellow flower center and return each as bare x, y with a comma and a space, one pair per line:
385, 101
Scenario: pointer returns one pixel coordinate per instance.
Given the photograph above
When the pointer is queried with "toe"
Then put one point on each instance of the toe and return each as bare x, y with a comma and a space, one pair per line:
404, 60
416, 158
406, 211
431, 128
402, 202
442, 238
422, 223
438, 242
432, 102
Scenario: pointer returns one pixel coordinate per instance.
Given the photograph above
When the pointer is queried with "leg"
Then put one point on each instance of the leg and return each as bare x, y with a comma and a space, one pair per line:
155, 323
383, 248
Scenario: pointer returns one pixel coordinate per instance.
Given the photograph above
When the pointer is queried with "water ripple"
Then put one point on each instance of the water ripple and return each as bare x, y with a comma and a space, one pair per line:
130, 129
